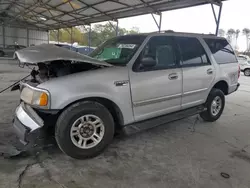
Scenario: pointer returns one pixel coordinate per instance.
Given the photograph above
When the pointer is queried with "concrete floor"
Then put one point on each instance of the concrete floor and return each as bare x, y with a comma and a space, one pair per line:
180, 154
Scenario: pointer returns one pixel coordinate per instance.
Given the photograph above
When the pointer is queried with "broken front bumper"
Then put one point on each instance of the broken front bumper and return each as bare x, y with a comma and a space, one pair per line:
27, 124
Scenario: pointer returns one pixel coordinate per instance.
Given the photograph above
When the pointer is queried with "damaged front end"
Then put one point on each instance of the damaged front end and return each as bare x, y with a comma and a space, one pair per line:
34, 116
27, 121
49, 61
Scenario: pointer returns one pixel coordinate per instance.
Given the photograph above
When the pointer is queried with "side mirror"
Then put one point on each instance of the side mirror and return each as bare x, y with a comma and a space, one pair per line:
148, 62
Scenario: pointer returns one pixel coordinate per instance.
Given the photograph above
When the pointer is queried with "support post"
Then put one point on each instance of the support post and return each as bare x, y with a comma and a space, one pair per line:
217, 19
218, 22
117, 28
48, 33
89, 37
28, 37
158, 24
3, 28
58, 36
71, 37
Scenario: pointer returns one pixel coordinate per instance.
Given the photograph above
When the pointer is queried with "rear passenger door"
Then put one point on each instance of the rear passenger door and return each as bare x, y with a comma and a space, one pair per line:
198, 73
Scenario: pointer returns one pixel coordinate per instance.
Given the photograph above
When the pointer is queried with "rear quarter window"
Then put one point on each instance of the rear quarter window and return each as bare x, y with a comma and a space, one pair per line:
221, 50
193, 53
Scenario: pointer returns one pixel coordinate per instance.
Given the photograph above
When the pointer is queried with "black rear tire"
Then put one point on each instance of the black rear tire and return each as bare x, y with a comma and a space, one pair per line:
247, 72
66, 121
208, 115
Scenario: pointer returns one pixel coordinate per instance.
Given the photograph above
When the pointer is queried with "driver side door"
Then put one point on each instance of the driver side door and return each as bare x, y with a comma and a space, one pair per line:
156, 89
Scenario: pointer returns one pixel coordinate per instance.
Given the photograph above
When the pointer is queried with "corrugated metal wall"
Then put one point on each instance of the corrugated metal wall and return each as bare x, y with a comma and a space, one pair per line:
26, 37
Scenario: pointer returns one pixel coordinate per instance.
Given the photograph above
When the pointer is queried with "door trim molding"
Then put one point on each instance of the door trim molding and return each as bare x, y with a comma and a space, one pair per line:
156, 100
194, 91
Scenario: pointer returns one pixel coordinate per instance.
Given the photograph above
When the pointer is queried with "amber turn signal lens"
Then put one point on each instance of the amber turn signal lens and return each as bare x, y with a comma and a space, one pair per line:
43, 99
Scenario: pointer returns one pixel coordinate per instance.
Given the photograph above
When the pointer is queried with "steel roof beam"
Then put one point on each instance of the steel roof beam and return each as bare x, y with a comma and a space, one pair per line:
165, 6
217, 18
42, 21
127, 10
148, 5
92, 6
157, 24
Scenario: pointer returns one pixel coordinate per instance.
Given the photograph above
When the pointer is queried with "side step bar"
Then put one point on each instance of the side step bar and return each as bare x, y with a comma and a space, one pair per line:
147, 124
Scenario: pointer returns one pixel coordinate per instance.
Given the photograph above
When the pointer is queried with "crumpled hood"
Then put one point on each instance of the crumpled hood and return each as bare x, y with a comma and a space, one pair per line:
50, 52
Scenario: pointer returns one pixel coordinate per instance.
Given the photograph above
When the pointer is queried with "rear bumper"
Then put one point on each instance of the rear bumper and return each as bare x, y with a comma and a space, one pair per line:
233, 88
27, 124
238, 85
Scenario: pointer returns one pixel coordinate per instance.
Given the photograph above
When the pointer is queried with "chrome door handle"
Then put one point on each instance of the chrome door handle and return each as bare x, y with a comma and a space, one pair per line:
209, 71
172, 76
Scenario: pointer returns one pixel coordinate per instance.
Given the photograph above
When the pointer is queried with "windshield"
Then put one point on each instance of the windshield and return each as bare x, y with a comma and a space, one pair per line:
119, 50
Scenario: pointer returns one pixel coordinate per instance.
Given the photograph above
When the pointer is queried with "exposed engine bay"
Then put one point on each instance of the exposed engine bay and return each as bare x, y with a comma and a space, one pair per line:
49, 70
45, 71
49, 61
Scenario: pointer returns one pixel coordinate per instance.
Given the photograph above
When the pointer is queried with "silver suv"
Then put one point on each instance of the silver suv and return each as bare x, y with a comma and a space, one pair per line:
128, 84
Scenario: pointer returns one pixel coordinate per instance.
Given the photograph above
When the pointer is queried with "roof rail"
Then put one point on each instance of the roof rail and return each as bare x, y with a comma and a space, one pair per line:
172, 31
168, 31
163, 31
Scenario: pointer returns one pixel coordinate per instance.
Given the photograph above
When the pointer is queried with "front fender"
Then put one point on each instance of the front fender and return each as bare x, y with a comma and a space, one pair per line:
124, 105
100, 83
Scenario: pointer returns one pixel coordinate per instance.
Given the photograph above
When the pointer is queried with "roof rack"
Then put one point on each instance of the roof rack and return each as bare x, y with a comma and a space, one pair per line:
168, 31
163, 31
172, 31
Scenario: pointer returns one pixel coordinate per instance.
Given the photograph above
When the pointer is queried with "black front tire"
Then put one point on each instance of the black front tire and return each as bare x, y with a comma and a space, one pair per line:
207, 115
70, 115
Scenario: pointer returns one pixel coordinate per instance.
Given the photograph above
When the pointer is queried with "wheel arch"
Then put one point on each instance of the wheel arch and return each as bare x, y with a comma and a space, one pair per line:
222, 85
112, 107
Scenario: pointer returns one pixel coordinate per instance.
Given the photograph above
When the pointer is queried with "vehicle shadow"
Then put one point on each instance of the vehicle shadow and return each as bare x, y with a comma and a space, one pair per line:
11, 148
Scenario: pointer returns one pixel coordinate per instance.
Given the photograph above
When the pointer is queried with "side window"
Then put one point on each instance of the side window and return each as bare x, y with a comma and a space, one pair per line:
192, 52
158, 54
222, 51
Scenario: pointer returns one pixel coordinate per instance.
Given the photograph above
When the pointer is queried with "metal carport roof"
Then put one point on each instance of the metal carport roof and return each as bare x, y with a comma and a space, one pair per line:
55, 14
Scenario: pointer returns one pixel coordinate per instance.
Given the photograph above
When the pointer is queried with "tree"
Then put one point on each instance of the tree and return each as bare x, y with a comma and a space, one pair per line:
230, 35
65, 36
246, 32
99, 33
237, 32
134, 30
221, 32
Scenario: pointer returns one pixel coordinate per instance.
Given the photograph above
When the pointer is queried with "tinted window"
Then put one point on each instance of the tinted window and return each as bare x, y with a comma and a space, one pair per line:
222, 51
160, 49
192, 52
